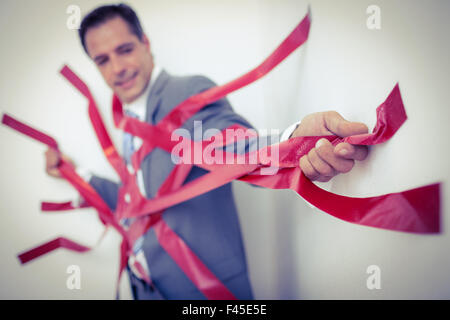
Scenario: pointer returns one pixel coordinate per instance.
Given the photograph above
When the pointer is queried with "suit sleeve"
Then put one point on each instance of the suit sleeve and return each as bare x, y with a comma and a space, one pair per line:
107, 189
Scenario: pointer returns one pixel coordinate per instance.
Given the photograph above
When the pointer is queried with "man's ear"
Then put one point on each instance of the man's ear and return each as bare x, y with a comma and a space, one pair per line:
146, 41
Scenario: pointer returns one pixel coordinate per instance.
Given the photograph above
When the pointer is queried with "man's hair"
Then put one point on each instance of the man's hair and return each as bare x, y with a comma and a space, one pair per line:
105, 13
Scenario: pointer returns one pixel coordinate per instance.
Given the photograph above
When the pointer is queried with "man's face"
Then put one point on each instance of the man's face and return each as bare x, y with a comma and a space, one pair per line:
124, 61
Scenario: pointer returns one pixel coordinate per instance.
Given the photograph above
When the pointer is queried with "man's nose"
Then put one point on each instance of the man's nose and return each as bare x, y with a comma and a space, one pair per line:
118, 67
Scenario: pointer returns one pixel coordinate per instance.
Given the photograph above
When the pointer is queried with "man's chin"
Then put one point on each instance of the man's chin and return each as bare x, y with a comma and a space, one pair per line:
129, 96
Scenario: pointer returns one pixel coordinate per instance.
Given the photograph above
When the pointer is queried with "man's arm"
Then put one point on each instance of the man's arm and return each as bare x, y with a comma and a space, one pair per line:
322, 162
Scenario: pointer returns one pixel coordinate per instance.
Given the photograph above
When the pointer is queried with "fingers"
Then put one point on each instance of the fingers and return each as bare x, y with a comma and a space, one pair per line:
52, 159
311, 172
326, 161
54, 172
350, 151
341, 127
315, 167
308, 169
320, 165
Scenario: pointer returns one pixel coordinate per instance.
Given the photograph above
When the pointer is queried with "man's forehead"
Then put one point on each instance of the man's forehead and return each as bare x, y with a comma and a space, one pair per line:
107, 36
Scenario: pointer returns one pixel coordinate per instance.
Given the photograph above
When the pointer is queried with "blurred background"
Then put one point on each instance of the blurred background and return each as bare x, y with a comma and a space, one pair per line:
294, 251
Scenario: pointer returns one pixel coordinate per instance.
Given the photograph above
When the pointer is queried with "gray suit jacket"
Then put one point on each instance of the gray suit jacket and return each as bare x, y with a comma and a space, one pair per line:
208, 223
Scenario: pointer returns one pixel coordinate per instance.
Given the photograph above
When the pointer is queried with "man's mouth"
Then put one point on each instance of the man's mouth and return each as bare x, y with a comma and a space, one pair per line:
127, 83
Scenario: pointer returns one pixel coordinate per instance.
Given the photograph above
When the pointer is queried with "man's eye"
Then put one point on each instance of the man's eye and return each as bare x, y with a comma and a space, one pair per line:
101, 62
126, 50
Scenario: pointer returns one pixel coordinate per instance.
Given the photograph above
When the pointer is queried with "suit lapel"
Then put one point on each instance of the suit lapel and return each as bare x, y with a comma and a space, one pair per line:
154, 97
153, 105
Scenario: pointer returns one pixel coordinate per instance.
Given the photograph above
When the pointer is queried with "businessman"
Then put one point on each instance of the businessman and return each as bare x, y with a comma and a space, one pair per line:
113, 38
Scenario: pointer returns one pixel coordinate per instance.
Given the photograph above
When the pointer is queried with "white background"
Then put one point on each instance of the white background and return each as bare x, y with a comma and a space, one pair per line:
294, 251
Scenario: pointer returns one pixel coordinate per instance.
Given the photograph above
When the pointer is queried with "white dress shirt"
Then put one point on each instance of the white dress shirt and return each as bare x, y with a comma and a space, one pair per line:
139, 108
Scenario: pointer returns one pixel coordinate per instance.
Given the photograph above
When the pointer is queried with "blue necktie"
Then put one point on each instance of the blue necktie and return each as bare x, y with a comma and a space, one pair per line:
128, 150
128, 146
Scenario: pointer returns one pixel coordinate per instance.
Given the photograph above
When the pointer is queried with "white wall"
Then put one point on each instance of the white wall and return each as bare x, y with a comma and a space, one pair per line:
294, 251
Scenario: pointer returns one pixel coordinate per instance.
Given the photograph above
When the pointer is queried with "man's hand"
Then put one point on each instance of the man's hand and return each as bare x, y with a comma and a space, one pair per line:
326, 161
52, 160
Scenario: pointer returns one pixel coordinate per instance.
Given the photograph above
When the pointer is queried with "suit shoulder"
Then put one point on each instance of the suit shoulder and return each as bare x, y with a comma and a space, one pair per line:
190, 84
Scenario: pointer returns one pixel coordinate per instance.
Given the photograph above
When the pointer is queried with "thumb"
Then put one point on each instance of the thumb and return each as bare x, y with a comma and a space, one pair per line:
341, 127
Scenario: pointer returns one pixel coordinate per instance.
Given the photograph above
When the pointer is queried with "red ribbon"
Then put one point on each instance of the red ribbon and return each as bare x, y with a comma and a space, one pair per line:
395, 211
63, 206
416, 210
50, 246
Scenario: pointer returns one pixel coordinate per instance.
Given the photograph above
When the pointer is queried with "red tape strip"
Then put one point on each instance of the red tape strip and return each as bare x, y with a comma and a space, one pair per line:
50, 246
416, 210
61, 206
